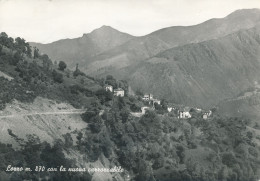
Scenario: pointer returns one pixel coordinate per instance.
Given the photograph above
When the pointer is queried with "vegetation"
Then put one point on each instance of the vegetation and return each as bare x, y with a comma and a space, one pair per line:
35, 155
156, 146
62, 65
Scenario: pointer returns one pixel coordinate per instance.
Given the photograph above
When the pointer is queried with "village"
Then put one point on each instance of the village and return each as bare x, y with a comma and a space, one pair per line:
150, 102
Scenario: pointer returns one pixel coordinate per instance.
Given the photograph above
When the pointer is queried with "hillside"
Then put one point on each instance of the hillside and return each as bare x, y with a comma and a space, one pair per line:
200, 74
211, 29
52, 117
81, 49
44, 118
246, 104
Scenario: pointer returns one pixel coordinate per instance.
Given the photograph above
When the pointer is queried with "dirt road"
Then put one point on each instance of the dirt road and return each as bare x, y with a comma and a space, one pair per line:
73, 111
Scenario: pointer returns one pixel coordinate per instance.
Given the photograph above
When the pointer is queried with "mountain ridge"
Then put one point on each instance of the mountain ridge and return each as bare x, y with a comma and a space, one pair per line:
201, 74
83, 47
141, 48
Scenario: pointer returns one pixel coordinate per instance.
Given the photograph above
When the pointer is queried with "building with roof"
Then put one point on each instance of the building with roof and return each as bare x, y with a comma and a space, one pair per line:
108, 88
157, 101
119, 92
148, 97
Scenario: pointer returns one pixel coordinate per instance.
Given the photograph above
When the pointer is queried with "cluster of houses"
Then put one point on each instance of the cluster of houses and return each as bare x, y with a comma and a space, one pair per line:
185, 113
182, 113
117, 92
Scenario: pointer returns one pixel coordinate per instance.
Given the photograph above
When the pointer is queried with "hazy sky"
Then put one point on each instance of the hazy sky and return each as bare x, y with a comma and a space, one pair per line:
49, 20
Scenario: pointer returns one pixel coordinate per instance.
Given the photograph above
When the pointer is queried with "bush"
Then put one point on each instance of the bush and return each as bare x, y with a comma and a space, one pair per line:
62, 65
229, 159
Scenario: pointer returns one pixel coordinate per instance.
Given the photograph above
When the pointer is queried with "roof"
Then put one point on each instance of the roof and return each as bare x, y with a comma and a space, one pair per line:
108, 85
156, 100
185, 109
119, 89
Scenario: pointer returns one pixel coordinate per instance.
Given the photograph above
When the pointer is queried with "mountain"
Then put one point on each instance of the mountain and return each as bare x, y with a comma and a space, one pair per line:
81, 49
111, 46
203, 73
198, 65
214, 28
141, 48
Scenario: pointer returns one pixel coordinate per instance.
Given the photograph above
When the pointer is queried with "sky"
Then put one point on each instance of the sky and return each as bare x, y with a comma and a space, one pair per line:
50, 20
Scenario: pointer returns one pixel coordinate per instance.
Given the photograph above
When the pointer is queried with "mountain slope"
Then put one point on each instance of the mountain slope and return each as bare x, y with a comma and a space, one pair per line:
80, 49
214, 28
107, 44
44, 118
246, 104
147, 46
37, 109
201, 74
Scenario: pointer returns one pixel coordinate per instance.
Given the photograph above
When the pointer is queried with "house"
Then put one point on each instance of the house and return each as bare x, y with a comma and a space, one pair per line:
156, 101
198, 110
184, 113
169, 109
119, 92
205, 116
144, 109
148, 97
29, 92
108, 88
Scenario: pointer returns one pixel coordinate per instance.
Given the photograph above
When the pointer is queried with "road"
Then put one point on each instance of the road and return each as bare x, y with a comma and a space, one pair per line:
73, 111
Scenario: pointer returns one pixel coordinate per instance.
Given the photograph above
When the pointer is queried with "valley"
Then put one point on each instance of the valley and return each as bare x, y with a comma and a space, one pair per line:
181, 103
198, 65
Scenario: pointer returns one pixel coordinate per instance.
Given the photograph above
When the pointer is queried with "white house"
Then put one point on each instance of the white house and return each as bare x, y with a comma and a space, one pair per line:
184, 115
198, 109
119, 92
207, 114
148, 97
108, 88
169, 109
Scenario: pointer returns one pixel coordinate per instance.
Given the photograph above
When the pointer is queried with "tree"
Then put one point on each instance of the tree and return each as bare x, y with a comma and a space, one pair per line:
57, 77
6, 41
3, 38
164, 104
46, 61
62, 65
36, 53
20, 44
28, 50
104, 96
17, 57
110, 80
181, 153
